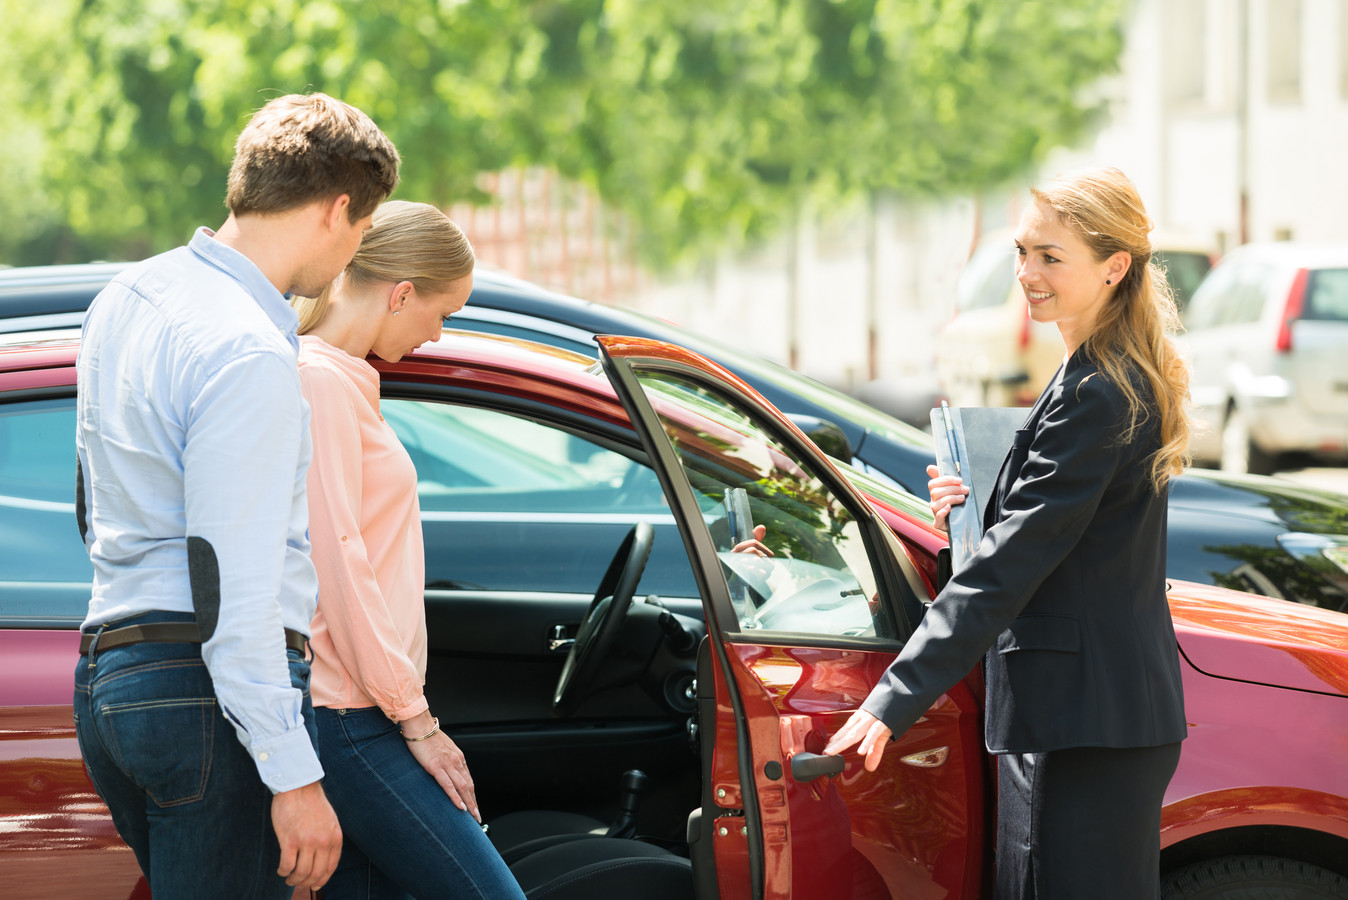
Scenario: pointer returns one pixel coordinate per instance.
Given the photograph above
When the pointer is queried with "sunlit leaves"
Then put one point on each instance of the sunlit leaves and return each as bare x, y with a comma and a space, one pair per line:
707, 122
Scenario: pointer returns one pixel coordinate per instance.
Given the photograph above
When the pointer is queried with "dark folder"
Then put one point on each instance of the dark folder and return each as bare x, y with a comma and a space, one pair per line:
972, 442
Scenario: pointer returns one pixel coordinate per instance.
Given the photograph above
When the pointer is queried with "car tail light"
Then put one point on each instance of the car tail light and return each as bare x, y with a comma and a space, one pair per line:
1296, 300
1025, 329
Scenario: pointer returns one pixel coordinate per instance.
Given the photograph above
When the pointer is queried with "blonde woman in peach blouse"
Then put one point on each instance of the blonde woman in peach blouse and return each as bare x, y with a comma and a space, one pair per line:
400, 786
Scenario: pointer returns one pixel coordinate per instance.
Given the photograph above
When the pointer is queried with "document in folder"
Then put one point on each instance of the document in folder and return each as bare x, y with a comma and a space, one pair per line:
971, 443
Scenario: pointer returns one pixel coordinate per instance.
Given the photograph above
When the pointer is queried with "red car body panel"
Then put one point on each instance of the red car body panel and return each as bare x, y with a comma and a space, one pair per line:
56, 837
1265, 685
906, 828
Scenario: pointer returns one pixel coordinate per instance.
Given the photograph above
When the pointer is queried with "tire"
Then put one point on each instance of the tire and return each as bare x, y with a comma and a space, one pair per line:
1240, 454
1253, 878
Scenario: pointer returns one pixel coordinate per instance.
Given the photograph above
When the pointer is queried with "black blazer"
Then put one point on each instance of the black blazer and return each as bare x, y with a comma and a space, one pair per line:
1066, 593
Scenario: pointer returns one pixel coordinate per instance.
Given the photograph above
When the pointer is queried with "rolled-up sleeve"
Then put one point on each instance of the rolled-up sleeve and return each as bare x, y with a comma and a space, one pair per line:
242, 450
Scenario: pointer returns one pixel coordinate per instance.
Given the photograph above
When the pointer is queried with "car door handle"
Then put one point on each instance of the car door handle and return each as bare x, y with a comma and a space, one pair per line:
809, 766
560, 643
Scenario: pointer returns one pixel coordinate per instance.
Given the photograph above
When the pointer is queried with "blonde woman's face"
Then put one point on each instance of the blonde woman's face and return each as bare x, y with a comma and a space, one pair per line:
1062, 280
421, 317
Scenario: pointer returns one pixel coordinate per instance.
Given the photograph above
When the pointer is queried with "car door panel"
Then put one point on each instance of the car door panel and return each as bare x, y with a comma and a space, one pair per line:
811, 692
50, 818
913, 828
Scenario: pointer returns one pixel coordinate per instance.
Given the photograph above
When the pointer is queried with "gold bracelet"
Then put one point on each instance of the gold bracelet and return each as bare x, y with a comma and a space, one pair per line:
435, 729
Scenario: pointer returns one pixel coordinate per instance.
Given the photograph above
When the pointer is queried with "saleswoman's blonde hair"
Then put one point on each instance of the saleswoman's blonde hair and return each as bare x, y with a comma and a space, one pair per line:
1132, 332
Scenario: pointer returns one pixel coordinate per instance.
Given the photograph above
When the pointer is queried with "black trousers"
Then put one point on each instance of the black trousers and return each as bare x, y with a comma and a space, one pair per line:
1081, 823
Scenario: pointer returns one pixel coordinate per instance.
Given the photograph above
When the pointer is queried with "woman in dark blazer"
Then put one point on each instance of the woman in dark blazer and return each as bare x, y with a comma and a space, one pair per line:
1066, 593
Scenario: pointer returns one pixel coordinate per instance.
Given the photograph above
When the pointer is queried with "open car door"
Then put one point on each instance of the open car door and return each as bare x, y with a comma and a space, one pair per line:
801, 624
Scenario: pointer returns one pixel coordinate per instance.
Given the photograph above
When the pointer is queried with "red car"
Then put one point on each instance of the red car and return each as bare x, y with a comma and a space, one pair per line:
717, 674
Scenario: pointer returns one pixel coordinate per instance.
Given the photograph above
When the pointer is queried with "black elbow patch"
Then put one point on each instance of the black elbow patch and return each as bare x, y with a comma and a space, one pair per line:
81, 516
203, 571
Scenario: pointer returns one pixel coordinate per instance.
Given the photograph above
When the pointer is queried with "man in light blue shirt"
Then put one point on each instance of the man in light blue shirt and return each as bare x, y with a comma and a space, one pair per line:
191, 698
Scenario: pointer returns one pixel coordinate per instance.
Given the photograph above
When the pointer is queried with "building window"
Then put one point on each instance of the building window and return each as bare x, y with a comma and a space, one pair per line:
1284, 50
1343, 47
1183, 39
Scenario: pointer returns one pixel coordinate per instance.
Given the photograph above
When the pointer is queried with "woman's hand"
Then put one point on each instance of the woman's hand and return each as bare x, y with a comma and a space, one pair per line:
870, 731
442, 758
946, 491
755, 544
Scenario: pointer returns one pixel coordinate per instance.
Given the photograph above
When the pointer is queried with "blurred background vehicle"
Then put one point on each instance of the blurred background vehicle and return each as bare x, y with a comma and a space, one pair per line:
1266, 339
991, 353
1263, 535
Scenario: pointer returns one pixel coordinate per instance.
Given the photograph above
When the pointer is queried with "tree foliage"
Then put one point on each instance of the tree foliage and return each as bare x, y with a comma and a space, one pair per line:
703, 121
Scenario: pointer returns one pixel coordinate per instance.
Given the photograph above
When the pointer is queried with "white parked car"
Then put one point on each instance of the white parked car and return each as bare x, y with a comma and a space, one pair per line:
1267, 343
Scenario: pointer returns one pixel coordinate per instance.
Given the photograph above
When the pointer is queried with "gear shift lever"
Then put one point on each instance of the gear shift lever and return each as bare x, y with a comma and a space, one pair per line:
630, 788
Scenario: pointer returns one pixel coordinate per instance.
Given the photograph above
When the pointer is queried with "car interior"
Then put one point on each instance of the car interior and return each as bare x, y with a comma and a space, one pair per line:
572, 683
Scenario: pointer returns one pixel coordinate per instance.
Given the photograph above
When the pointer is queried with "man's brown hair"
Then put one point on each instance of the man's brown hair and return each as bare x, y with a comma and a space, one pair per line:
306, 147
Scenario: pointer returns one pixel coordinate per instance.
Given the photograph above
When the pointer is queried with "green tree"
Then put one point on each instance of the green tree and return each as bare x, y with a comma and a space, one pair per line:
703, 122
704, 117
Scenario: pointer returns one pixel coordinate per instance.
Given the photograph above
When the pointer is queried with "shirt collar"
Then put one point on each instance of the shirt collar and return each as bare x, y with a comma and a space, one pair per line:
245, 271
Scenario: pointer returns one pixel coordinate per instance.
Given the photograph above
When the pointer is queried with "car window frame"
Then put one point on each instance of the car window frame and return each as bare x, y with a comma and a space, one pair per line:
902, 586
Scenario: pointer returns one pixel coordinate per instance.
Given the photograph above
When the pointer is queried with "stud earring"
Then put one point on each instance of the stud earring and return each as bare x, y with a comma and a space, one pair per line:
395, 312
1107, 281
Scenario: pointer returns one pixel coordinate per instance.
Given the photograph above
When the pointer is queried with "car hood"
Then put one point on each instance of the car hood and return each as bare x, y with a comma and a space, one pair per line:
1273, 500
1246, 637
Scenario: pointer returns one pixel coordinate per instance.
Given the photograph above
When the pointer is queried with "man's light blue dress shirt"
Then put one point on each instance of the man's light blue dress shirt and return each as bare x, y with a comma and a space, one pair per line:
191, 425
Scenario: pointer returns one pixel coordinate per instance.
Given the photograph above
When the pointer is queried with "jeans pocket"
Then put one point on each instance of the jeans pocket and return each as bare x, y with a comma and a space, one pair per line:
164, 745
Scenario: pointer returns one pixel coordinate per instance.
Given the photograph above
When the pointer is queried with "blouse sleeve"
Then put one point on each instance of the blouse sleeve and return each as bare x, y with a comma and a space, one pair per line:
359, 623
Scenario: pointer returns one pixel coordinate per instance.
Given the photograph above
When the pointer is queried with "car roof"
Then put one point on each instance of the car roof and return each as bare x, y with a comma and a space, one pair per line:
1164, 239
48, 297
29, 294
59, 347
1298, 254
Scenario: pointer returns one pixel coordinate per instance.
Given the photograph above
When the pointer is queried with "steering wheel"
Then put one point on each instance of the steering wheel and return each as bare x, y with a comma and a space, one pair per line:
604, 618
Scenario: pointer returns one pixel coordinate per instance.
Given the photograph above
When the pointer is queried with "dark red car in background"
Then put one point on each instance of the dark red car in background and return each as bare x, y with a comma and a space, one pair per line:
717, 674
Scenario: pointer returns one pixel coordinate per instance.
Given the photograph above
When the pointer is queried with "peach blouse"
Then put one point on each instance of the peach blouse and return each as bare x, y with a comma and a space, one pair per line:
369, 634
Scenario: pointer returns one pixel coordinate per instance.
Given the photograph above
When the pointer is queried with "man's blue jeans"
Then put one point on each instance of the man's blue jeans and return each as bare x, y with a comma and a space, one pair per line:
184, 793
402, 836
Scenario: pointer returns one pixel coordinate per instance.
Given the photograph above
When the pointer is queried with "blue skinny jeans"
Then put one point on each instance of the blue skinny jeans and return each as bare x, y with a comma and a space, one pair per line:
401, 834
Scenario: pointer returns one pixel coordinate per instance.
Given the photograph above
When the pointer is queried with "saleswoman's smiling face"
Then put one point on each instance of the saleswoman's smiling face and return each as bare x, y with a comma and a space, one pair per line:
1063, 281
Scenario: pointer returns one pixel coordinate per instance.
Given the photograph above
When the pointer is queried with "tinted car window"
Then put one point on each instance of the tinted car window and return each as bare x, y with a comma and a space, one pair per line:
1231, 295
44, 570
1327, 296
1204, 309
1248, 299
1185, 271
509, 503
986, 279
819, 579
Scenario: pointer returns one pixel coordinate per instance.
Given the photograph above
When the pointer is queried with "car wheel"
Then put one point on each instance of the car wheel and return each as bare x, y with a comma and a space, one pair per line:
1240, 455
1253, 878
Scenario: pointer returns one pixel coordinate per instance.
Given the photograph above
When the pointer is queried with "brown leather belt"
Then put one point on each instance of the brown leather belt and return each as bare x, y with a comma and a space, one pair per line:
165, 633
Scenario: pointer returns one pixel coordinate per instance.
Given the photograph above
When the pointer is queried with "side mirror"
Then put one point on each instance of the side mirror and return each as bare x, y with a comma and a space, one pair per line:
826, 435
